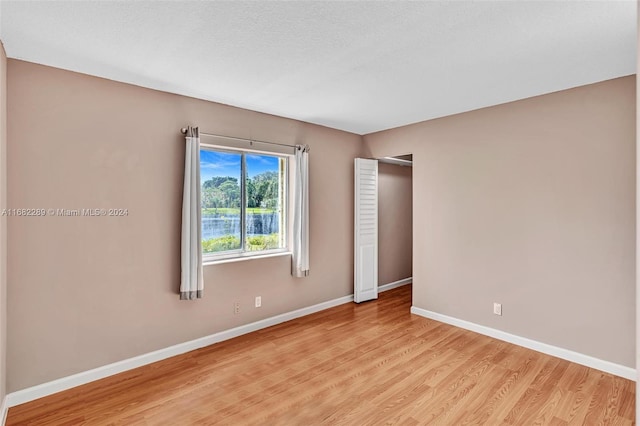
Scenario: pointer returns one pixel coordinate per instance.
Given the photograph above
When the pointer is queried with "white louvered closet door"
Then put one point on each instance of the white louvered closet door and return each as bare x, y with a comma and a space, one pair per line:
366, 230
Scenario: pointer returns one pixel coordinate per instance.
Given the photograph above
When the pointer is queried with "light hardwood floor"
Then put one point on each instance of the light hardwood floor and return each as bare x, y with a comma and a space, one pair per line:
367, 364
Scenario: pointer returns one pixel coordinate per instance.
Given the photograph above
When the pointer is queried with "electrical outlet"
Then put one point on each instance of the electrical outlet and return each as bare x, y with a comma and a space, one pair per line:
497, 308
258, 301
236, 308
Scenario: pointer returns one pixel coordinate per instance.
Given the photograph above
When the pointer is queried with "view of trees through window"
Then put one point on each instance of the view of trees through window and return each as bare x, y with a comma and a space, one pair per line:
243, 199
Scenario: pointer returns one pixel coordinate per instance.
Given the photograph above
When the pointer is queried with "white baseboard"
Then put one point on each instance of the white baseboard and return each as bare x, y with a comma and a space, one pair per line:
64, 383
578, 358
395, 284
4, 408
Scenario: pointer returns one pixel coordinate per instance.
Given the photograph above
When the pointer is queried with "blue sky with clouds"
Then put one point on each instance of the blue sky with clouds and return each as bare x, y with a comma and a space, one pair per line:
228, 164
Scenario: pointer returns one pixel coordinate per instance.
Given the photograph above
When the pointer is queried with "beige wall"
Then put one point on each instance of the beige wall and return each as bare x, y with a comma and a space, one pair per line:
530, 204
394, 223
3, 223
637, 220
84, 291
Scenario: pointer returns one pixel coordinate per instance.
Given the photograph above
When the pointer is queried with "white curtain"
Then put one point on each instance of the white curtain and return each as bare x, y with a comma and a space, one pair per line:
192, 283
300, 259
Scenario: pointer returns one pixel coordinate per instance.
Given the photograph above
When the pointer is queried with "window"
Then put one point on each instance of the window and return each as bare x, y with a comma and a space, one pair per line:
244, 199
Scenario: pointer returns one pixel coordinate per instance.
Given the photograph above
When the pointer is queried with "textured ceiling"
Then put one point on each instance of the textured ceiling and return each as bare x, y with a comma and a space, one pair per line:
355, 66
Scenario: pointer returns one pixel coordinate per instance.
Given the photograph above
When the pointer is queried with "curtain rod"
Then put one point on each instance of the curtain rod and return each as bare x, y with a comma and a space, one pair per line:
251, 141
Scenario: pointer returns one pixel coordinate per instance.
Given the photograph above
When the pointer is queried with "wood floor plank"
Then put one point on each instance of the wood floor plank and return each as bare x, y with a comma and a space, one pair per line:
356, 364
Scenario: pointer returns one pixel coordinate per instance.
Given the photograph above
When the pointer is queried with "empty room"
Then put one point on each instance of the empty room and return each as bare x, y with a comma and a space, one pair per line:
318, 212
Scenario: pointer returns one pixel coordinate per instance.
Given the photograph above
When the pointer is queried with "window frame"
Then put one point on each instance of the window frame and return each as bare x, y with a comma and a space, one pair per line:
242, 253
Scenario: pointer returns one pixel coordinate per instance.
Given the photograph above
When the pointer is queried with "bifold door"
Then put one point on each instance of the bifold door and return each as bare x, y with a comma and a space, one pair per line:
366, 230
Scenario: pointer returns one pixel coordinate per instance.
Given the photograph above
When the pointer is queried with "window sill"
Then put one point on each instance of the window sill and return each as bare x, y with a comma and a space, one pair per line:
243, 258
